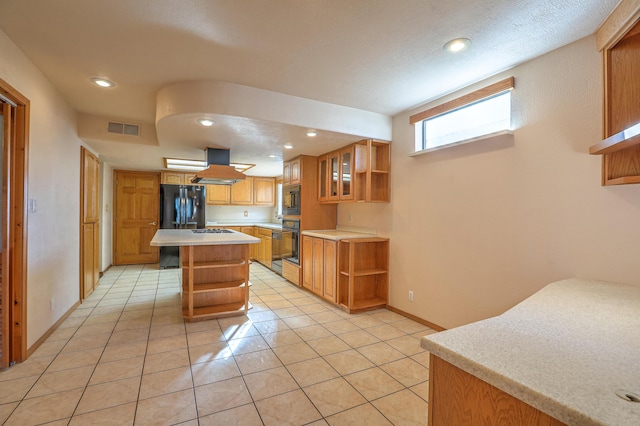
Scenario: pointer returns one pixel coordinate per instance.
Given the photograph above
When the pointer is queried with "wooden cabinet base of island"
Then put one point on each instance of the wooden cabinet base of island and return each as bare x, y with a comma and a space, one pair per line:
215, 281
363, 274
459, 398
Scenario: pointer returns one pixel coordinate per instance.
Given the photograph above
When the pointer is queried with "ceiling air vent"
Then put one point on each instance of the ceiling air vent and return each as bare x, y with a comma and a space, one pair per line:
123, 128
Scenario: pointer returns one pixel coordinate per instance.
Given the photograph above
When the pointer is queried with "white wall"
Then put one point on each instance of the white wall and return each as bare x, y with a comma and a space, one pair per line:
477, 228
106, 217
54, 179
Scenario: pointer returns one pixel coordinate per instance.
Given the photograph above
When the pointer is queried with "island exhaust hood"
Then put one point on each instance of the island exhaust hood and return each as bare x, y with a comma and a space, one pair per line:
219, 171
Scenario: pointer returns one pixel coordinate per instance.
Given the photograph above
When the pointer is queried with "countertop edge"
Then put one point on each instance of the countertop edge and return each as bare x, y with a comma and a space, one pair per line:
512, 387
330, 234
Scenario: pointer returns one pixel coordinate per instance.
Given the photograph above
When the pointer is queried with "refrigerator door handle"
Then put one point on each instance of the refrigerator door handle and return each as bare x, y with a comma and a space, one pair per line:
183, 206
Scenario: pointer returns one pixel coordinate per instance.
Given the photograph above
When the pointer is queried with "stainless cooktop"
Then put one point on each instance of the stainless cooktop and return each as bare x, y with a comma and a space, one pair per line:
212, 231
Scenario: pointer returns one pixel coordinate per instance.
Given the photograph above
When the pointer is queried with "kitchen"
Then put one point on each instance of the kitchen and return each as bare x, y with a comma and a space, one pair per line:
473, 230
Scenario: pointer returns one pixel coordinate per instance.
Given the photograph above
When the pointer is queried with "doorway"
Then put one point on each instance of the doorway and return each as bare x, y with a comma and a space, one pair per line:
14, 110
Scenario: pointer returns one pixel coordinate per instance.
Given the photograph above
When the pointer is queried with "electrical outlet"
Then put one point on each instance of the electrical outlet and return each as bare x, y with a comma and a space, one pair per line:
410, 296
246, 213
51, 304
350, 217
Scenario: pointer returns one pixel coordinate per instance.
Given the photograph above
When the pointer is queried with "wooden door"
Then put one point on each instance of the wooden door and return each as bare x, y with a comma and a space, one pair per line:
14, 132
218, 194
346, 173
242, 192
137, 208
5, 318
330, 259
323, 180
264, 189
90, 222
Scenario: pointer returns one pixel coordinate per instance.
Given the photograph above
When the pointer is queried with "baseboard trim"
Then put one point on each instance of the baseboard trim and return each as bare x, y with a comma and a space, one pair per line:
416, 319
50, 331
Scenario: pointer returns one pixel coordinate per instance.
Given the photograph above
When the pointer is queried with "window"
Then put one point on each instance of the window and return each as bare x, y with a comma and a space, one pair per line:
471, 117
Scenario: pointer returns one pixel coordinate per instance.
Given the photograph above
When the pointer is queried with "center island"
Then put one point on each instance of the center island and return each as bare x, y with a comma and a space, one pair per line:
214, 265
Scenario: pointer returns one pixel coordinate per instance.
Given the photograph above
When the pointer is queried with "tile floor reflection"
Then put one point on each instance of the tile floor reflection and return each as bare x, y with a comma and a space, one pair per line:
125, 356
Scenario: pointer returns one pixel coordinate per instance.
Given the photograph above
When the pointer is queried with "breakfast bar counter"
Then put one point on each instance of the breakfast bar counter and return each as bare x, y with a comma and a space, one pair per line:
215, 270
570, 352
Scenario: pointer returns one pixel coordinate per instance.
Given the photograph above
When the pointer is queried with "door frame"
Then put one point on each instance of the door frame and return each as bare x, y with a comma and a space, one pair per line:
14, 223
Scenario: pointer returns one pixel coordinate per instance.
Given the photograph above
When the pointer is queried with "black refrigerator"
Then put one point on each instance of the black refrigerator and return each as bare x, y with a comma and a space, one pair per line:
181, 207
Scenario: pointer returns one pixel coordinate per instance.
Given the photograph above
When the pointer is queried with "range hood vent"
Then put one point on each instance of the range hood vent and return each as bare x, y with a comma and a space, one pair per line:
219, 171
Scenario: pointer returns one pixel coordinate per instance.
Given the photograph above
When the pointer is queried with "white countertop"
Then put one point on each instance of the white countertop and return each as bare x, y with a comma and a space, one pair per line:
185, 237
276, 226
336, 234
565, 351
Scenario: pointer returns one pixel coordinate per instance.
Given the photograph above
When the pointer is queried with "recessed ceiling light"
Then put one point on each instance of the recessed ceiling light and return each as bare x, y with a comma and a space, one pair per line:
273, 156
288, 146
457, 45
103, 82
312, 133
206, 122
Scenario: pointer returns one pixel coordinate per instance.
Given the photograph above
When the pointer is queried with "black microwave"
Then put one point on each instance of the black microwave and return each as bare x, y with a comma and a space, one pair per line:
291, 200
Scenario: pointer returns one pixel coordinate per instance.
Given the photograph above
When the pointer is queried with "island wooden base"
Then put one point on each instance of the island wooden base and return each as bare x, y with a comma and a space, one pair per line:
459, 398
215, 281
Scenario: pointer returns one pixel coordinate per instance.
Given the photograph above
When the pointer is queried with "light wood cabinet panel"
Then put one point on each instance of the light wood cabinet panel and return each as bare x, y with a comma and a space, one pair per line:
264, 191
318, 265
323, 178
286, 173
172, 178
319, 257
291, 272
459, 398
307, 262
253, 248
330, 259
265, 250
218, 194
242, 192
334, 176
177, 178
296, 171
346, 173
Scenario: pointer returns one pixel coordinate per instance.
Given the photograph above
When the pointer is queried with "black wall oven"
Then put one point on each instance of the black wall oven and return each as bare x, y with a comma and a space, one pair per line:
291, 200
291, 240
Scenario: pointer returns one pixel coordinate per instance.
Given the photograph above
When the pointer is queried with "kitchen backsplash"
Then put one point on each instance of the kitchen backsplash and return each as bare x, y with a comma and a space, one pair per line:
237, 214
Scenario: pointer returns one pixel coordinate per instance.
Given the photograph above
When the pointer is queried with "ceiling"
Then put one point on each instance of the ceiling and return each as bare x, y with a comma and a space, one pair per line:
266, 71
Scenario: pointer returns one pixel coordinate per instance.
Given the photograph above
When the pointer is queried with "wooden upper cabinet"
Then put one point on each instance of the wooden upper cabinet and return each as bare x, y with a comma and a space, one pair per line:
218, 194
242, 192
296, 171
346, 173
619, 39
177, 178
172, 178
334, 176
264, 191
358, 172
323, 178
286, 173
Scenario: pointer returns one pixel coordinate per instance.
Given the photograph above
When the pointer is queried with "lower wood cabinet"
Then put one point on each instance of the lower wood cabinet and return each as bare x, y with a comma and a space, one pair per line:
215, 281
291, 272
459, 398
363, 274
319, 259
265, 249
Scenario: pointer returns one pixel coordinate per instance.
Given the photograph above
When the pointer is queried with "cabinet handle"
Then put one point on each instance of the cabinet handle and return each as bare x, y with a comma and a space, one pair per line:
153, 223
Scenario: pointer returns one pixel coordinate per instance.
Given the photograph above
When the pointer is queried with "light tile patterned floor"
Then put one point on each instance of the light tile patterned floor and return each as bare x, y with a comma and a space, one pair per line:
125, 356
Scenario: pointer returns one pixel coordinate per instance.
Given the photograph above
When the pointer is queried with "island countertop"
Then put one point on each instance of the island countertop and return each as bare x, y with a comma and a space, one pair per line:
566, 350
186, 237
